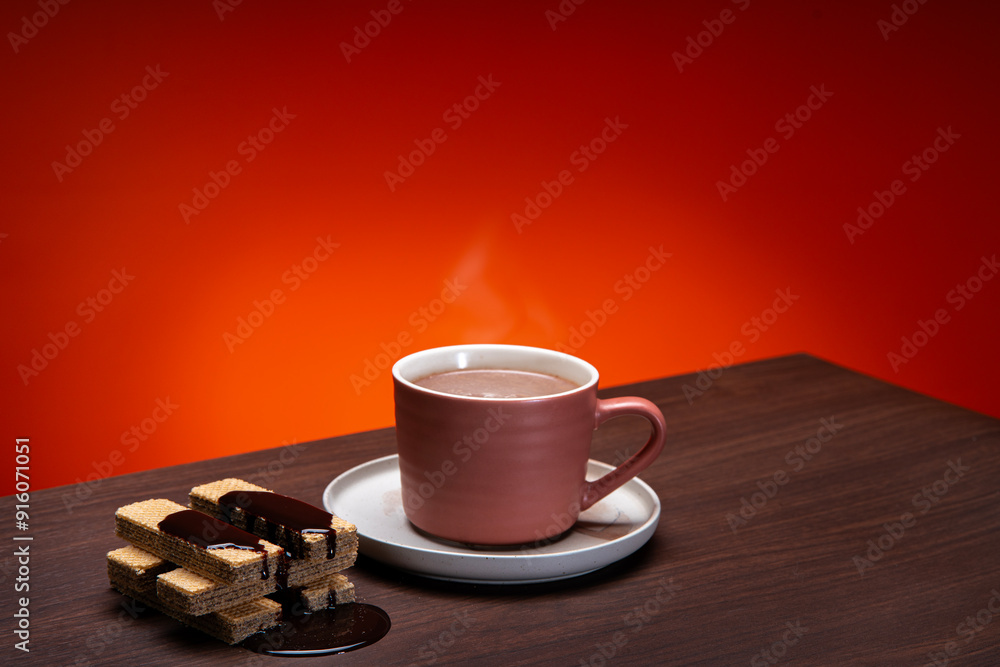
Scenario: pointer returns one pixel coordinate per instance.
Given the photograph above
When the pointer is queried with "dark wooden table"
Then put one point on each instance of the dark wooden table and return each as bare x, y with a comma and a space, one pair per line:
869, 534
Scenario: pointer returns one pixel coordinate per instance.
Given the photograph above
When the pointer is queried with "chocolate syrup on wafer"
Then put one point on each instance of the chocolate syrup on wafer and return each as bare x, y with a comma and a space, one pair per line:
278, 510
281, 572
210, 533
344, 628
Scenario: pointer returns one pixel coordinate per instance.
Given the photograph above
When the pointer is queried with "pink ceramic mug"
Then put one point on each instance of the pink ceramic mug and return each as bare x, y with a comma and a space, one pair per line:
505, 471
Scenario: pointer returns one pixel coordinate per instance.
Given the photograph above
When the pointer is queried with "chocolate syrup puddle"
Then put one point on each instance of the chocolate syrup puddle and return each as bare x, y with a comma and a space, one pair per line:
208, 532
277, 510
346, 627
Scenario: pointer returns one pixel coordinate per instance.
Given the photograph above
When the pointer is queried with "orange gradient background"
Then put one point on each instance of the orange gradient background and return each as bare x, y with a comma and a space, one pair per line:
323, 176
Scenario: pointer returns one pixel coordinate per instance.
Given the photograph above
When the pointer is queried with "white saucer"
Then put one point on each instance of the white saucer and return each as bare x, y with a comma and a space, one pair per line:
369, 496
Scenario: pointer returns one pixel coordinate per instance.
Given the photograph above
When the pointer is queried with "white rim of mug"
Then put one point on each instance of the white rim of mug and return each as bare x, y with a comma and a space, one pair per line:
458, 349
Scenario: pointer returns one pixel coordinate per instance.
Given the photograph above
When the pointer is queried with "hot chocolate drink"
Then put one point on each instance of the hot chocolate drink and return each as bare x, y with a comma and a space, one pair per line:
496, 383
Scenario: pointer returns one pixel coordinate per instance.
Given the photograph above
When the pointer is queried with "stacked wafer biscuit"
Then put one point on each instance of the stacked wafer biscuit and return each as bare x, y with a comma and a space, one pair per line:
222, 590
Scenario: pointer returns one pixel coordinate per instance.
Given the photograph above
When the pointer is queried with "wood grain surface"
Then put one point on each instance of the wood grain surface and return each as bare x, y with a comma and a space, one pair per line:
868, 535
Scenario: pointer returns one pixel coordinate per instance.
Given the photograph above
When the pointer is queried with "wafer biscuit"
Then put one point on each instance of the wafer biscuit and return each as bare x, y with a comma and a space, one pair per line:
191, 593
140, 567
185, 592
129, 573
139, 522
298, 541
329, 592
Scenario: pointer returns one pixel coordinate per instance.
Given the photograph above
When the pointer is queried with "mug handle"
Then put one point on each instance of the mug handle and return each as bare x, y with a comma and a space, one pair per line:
616, 407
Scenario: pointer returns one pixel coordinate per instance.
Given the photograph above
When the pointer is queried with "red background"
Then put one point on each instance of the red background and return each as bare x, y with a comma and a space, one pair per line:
323, 175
